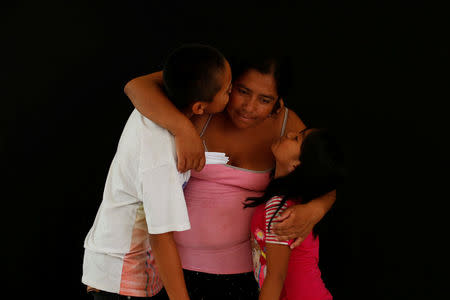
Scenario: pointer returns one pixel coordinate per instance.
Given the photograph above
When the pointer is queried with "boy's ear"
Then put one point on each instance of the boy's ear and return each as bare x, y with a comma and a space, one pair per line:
199, 107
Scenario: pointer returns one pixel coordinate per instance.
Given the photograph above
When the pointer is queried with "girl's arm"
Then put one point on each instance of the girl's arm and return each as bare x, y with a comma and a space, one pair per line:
169, 265
297, 221
277, 266
147, 95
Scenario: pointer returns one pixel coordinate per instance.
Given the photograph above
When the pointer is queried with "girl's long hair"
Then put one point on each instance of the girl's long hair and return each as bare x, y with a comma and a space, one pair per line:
320, 171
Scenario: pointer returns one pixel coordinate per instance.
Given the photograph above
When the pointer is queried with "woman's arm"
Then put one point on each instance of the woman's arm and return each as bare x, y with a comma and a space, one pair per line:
277, 266
169, 265
297, 221
147, 95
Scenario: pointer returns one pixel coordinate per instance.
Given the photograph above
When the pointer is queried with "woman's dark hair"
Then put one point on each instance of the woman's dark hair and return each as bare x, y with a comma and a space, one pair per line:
277, 65
320, 171
191, 73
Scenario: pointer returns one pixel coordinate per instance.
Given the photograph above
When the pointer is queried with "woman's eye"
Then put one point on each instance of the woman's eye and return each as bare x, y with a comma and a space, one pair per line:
242, 91
266, 101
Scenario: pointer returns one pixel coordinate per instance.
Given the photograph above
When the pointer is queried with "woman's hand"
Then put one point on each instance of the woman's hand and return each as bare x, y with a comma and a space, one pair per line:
190, 150
297, 222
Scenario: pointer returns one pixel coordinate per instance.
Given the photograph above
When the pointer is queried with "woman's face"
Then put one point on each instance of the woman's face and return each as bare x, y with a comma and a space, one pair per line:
252, 98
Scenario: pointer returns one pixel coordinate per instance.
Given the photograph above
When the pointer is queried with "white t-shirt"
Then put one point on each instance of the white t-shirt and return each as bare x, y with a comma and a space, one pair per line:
143, 194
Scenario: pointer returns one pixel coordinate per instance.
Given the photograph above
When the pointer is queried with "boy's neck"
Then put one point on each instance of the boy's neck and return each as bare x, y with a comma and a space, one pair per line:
188, 113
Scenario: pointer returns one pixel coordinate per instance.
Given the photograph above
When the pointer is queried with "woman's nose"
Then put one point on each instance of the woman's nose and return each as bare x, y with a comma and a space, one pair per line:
249, 104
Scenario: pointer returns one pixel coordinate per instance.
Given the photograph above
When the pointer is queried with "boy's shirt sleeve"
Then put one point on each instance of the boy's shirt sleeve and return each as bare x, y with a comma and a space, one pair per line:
161, 185
163, 200
271, 207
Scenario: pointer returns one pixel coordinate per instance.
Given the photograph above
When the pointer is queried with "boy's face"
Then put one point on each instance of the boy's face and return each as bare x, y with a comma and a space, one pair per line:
220, 100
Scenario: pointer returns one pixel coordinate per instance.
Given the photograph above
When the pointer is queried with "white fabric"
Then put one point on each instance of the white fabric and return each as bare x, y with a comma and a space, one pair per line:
215, 158
143, 174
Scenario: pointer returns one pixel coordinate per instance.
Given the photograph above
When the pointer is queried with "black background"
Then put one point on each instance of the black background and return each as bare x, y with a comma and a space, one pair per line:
377, 72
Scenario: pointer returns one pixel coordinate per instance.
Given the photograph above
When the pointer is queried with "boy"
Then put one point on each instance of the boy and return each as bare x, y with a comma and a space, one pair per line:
130, 250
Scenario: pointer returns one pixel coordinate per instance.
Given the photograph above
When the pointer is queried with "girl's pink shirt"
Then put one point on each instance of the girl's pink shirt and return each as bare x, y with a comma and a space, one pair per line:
303, 279
219, 239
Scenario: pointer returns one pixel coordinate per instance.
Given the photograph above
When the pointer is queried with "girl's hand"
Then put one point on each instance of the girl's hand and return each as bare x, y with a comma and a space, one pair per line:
190, 150
297, 222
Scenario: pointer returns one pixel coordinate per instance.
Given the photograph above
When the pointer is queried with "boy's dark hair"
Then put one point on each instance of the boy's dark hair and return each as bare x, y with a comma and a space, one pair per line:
320, 171
192, 73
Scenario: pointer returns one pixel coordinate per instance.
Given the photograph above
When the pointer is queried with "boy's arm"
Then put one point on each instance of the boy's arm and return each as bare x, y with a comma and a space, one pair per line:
277, 266
169, 265
297, 221
147, 95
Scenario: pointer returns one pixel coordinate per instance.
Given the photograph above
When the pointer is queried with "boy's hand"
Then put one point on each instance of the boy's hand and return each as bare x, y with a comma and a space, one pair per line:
190, 150
297, 222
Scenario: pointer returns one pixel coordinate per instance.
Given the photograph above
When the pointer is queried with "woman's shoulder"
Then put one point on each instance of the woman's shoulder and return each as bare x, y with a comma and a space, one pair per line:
293, 122
286, 120
199, 121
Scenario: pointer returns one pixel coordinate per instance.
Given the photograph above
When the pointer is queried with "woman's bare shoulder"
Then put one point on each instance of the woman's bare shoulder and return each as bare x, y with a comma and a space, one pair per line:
199, 121
294, 123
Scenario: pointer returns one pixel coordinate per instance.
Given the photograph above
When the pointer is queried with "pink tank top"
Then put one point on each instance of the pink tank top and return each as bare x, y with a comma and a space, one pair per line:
219, 239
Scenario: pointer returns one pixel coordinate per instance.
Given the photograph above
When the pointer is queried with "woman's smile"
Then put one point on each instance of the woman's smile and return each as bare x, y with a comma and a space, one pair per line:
245, 117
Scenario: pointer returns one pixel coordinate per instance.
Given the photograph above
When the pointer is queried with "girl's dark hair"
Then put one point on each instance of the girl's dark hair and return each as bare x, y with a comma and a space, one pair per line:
320, 171
192, 73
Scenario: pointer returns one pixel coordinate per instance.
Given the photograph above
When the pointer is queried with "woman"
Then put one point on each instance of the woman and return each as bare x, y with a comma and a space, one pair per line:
216, 252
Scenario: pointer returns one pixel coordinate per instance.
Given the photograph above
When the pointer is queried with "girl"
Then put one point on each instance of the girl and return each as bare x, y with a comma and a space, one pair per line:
308, 165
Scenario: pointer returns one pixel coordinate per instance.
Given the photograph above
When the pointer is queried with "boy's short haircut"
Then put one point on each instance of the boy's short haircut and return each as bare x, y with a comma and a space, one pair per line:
192, 73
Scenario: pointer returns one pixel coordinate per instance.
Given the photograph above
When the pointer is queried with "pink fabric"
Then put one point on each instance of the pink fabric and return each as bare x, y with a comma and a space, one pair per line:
303, 279
140, 277
219, 239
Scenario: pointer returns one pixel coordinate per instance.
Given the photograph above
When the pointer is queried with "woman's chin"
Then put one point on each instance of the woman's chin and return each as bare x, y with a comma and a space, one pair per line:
244, 125
242, 122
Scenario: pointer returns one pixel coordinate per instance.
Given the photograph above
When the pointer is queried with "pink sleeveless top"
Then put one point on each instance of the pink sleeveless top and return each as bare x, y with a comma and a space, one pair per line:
219, 239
